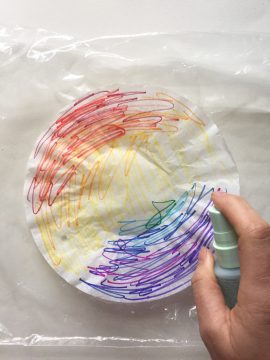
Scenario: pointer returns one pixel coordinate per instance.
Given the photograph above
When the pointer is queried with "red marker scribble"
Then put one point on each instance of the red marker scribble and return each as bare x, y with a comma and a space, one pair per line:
93, 121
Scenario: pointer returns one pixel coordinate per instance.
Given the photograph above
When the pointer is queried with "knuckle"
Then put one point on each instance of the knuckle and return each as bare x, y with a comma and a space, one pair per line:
196, 278
260, 234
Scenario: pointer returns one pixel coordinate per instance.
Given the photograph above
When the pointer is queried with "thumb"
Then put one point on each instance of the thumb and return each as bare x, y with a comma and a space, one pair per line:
211, 308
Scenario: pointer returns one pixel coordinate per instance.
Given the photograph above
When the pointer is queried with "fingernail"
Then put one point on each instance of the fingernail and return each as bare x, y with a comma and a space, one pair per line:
202, 254
219, 193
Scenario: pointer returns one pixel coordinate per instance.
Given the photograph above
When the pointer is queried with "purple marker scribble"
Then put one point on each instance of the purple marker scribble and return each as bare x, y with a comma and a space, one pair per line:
162, 256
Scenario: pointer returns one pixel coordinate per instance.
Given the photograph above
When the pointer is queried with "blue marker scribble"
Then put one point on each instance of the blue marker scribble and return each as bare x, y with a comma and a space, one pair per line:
156, 256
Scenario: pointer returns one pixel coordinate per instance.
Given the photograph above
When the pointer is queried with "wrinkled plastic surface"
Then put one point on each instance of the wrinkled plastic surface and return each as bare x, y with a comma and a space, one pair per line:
85, 227
41, 72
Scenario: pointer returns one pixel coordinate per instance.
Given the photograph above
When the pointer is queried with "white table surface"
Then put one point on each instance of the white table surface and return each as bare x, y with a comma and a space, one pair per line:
88, 18
91, 18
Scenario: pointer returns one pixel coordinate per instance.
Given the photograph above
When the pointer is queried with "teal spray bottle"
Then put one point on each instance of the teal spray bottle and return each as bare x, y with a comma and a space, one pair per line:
227, 266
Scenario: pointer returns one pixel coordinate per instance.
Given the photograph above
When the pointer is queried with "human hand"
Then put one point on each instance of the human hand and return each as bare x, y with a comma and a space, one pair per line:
242, 333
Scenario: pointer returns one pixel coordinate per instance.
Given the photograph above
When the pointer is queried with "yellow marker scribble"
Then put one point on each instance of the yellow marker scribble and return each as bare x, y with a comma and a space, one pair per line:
118, 179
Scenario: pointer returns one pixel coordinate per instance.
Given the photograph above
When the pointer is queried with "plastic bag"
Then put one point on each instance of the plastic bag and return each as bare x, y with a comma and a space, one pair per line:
41, 72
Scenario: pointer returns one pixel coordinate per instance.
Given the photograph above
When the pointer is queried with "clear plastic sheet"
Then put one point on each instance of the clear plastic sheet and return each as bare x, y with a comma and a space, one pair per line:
41, 72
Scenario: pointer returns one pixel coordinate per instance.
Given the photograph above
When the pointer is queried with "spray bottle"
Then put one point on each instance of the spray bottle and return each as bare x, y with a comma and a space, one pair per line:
227, 266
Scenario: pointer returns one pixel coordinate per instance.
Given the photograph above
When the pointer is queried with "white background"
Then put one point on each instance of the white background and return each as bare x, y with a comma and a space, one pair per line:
90, 18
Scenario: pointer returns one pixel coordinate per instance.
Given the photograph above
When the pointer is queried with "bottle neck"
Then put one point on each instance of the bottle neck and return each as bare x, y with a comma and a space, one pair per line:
227, 255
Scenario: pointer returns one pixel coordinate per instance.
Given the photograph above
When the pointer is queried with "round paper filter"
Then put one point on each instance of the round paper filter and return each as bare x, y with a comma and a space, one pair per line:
118, 190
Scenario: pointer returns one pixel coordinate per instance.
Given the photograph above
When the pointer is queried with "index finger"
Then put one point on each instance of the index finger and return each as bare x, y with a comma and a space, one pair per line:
238, 212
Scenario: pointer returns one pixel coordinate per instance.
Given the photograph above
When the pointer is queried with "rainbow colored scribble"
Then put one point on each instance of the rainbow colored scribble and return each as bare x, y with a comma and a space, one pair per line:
88, 181
155, 261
